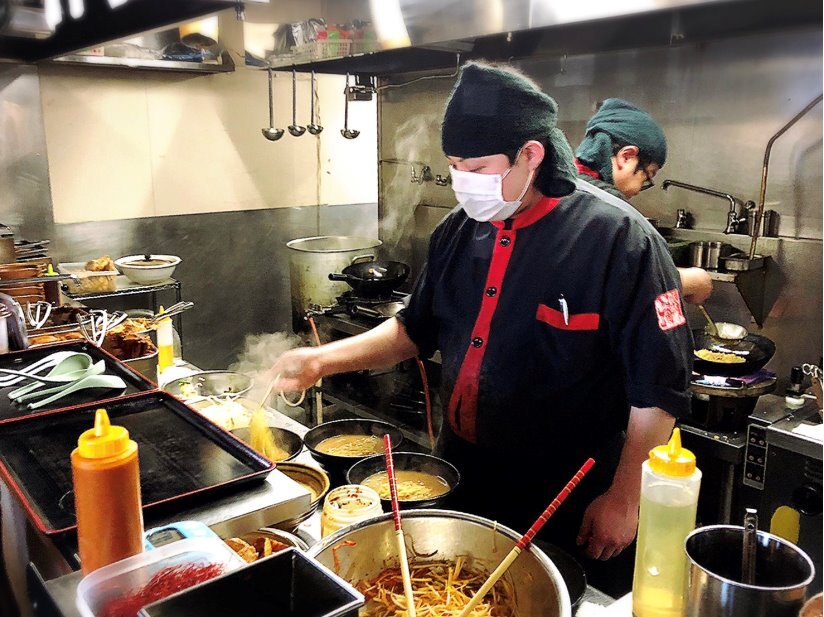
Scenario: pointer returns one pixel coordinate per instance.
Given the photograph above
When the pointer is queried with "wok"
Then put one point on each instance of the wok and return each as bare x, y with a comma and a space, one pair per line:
373, 279
434, 535
756, 350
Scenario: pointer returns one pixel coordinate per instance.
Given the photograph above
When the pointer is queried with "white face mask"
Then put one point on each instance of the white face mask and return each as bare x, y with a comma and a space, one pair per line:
481, 195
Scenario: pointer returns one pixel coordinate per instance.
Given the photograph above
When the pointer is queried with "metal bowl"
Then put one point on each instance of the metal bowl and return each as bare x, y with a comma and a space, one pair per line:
337, 466
437, 535
313, 480
277, 535
408, 461
209, 383
288, 441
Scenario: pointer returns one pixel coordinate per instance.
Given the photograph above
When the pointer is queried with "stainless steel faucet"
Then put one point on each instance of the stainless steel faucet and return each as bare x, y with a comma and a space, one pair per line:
734, 220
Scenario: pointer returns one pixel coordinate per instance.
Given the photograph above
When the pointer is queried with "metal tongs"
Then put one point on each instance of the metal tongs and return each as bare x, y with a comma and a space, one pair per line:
173, 310
749, 548
38, 313
97, 323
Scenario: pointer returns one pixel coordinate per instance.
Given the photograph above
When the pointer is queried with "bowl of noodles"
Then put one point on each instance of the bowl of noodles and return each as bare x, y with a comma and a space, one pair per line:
423, 481
339, 444
279, 445
451, 555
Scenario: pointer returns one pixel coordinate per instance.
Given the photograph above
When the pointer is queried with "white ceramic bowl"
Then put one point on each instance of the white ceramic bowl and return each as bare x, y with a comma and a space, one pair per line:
159, 268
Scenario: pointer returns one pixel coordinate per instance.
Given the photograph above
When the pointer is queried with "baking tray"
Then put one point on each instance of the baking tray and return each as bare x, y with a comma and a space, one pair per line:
135, 382
183, 457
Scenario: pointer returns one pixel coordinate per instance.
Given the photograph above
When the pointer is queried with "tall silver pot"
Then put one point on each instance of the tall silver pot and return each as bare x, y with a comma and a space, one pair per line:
438, 535
312, 260
782, 573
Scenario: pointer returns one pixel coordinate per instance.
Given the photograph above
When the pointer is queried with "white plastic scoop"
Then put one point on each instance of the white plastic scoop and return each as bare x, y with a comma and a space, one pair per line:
41, 365
111, 382
36, 390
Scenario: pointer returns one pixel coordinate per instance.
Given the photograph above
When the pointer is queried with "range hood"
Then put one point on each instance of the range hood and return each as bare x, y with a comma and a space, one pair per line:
32, 30
421, 35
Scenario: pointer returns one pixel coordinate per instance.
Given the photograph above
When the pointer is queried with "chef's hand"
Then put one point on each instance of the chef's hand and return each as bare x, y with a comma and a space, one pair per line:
696, 283
298, 369
609, 525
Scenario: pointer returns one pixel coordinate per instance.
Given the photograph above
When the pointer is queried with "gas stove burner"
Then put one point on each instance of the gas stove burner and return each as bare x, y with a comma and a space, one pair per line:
349, 298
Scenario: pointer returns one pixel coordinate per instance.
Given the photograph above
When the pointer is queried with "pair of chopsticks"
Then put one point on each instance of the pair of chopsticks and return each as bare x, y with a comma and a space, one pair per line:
519, 547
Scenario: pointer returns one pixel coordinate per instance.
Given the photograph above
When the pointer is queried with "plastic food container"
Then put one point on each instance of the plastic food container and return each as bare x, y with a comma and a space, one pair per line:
129, 576
286, 584
346, 505
87, 282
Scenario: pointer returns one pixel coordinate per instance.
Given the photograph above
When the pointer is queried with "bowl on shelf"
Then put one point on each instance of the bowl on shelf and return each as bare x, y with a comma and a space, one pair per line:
203, 384
313, 480
147, 269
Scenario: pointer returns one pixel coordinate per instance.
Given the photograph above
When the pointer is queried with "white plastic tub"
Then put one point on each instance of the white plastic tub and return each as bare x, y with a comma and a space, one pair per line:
130, 575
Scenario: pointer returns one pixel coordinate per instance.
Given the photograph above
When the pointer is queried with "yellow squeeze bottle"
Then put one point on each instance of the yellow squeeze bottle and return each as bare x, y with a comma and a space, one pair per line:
670, 482
165, 344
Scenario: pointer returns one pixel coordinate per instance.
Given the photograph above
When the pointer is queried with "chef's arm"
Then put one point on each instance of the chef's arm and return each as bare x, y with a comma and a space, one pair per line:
382, 346
611, 521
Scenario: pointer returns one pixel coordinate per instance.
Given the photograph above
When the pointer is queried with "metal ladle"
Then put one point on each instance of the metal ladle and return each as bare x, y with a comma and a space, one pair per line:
749, 547
345, 130
313, 128
295, 129
272, 134
722, 330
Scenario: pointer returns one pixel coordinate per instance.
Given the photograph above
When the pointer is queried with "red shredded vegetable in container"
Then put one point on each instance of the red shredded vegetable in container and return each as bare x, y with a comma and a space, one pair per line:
163, 584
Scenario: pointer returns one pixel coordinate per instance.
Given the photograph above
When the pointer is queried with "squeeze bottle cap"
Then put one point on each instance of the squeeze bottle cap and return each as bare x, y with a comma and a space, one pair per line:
104, 440
672, 459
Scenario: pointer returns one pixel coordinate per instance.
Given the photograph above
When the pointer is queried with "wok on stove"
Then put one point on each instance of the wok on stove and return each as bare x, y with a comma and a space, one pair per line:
372, 279
755, 349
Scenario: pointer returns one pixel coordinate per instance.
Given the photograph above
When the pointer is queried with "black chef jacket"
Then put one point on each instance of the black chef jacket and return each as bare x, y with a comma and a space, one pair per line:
552, 324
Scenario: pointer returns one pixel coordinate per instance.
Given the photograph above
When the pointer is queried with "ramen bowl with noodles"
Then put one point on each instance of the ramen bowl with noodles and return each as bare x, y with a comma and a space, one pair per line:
339, 444
448, 550
423, 481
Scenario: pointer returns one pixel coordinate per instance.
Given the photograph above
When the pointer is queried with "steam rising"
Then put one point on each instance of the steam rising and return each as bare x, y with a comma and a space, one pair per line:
260, 352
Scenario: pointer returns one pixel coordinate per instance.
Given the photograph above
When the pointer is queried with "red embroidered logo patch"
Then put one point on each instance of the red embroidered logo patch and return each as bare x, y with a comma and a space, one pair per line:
668, 309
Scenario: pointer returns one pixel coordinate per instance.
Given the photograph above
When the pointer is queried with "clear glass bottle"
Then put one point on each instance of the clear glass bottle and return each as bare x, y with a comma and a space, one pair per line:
670, 483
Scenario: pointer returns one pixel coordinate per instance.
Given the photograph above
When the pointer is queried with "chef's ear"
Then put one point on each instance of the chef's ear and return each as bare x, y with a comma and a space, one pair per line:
534, 153
628, 155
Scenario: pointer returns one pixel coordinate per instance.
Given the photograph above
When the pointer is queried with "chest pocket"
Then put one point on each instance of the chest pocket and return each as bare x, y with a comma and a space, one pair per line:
574, 343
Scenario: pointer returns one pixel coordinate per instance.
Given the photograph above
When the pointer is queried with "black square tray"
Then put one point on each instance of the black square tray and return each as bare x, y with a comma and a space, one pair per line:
9, 410
287, 584
183, 457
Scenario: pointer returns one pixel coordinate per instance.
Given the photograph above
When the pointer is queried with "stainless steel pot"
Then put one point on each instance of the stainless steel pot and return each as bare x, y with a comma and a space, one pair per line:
444, 535
782, 573
311, 260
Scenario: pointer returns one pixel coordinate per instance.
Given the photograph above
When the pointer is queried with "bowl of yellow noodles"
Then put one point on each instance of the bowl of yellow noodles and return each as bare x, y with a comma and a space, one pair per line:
422, 481
339, 444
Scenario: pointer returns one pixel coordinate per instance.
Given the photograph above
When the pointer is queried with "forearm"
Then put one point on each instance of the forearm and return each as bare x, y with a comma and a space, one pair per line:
382, 346
648, 427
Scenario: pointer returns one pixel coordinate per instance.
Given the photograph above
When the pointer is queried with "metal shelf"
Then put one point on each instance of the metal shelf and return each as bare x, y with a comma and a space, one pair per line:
125, 287
407, 59
174, 66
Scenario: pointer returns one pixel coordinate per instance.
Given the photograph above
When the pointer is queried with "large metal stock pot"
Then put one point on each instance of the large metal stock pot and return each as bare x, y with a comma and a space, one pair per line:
312, 260
444, 535
782, 573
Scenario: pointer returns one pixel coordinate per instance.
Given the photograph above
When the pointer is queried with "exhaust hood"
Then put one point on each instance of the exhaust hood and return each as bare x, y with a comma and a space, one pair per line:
32, 30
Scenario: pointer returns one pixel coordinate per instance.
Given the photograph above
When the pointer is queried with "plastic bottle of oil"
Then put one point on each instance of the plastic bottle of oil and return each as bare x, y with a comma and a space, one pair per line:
106, 480
669, 497
165, 345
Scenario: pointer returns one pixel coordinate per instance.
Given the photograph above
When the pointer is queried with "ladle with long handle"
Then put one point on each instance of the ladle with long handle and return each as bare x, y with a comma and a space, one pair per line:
345, 130
710, 328
314, 129
272, 134
750, 546
295, 129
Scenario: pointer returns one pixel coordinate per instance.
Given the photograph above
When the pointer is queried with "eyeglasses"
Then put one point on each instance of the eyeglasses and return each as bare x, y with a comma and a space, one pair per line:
648, 183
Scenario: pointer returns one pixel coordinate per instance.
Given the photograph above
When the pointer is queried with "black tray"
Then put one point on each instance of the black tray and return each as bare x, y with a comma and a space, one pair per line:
183, 456
135, 382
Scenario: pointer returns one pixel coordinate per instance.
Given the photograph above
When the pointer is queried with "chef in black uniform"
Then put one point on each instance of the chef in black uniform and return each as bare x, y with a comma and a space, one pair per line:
557, 310
622, 151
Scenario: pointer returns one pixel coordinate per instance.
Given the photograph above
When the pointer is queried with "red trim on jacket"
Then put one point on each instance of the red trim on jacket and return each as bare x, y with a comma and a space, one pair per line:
587, 171
555, 318
462, 412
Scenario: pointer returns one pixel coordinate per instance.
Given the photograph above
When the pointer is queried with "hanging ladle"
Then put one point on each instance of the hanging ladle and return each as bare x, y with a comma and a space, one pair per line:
272, 134
345, 130
295, 129
313, 128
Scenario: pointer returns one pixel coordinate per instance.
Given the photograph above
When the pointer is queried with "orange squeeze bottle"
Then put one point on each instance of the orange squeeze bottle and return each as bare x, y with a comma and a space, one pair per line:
106, 479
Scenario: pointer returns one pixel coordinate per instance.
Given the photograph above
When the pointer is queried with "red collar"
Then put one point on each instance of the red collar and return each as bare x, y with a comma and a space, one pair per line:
533, 215
587, 171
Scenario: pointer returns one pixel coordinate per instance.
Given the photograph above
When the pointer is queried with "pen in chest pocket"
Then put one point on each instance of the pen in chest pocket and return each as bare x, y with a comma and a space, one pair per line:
564, 309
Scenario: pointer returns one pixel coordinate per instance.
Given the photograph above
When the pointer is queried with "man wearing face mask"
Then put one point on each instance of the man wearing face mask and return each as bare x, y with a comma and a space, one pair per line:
622, 150
557, 311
